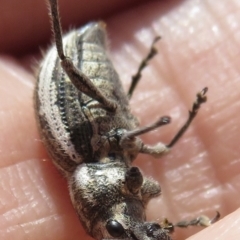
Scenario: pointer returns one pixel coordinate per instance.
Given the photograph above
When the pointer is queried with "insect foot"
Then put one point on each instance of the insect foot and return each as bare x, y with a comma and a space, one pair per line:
86, 124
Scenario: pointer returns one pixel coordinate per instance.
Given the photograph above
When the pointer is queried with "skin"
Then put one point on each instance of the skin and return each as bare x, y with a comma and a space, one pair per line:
200, 47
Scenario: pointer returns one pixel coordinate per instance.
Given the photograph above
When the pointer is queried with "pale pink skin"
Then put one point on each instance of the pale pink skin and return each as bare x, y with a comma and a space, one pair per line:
200, 47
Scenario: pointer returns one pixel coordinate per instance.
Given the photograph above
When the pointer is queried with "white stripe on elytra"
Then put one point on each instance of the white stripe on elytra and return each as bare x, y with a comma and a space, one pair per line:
48, 108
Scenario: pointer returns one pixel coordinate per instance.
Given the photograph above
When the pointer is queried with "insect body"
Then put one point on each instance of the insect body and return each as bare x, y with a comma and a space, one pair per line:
86, 124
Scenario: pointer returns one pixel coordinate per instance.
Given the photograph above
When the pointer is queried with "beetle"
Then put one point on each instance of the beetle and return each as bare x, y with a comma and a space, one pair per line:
87, 126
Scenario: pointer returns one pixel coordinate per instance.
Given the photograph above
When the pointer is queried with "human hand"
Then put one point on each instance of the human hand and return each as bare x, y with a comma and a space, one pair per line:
199, 47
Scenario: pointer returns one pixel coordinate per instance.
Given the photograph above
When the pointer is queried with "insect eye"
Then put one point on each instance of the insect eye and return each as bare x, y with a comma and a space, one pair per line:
115, 229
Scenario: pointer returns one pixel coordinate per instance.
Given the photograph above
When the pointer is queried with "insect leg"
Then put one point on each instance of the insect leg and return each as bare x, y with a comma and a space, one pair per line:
135, 78
79, 80
202, 221
201, 98
159, 149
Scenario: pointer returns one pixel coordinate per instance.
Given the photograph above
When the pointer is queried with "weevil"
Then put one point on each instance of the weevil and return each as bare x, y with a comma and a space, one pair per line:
92, 137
